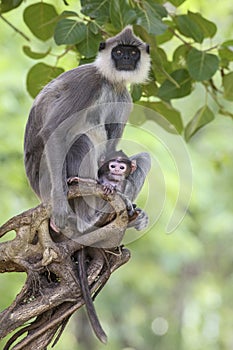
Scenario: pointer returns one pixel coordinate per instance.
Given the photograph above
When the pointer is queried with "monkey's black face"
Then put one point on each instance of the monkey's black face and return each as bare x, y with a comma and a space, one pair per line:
125, 57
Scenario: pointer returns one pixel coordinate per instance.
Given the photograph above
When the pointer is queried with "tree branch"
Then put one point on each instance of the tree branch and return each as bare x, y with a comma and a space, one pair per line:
14, 28
52, 292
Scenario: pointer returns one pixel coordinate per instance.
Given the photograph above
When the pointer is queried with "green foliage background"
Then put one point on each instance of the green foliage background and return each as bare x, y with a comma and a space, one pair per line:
176, 292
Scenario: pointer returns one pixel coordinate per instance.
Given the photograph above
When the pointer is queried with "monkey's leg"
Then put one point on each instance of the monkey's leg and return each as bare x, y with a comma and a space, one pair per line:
87, 297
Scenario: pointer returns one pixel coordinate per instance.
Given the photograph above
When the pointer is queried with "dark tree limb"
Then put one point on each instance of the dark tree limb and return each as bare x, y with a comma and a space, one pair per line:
52, 292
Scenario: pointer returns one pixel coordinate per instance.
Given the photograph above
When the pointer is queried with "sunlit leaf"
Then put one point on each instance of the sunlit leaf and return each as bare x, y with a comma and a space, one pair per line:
69, 32
169, 90
228, 86
202, 117
39, 75
202, 65
41, 19
35, 55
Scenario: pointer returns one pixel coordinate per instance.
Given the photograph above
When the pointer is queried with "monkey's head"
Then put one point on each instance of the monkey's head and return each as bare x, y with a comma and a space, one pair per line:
117, 167
124, 58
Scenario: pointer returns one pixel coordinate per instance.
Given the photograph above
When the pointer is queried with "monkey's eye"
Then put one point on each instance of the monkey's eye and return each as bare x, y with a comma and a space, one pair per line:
112, 166
133, 53
119, 52
122, 167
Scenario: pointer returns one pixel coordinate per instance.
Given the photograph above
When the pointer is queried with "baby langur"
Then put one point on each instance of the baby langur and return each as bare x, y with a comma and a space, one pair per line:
113, 174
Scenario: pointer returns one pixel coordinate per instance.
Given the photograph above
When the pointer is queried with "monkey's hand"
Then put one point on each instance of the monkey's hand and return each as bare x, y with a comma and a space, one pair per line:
108, 189
72, 179
77, 179
141, 221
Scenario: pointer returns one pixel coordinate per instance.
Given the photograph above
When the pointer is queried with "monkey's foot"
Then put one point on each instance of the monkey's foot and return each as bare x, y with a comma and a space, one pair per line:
131, 210
141, 221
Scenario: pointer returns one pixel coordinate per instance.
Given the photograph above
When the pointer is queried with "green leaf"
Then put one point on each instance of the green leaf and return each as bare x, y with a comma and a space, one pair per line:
96, 9
35, 55
160, 113
121, 13
202, 65
167, 35
188, 27
177, 2
136, 92
39, 75
228, 86
172, 115
150, 89
69, 32
41, 19
180, 56
169, 90
226, 50
207, 27
94, 28
8, 5
202, 117
138, 116
66, 14
89, 46
150, 17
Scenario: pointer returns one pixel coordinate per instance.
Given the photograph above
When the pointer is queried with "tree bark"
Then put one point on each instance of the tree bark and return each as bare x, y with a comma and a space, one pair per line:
52, 292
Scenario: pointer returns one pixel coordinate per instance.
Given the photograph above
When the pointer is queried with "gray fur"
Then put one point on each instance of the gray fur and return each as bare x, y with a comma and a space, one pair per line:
75, 119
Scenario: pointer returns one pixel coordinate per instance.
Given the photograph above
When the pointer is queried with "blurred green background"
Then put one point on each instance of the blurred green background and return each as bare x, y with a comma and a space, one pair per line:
176, 291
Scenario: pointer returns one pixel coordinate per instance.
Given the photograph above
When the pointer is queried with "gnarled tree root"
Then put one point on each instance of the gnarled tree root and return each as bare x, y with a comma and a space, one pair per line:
51, 293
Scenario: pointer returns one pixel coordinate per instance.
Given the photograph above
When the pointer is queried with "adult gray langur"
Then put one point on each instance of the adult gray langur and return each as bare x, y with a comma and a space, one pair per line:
77, 118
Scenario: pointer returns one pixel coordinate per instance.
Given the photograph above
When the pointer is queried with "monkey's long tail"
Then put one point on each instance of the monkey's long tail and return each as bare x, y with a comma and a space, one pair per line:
97, 328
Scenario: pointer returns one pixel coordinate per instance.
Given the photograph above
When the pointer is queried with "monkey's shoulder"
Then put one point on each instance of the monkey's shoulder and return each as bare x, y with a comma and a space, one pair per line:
85, 76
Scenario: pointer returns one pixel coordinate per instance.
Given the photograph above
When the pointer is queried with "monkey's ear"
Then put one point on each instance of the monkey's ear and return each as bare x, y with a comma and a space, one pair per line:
102, 46
133, 166
147, 48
